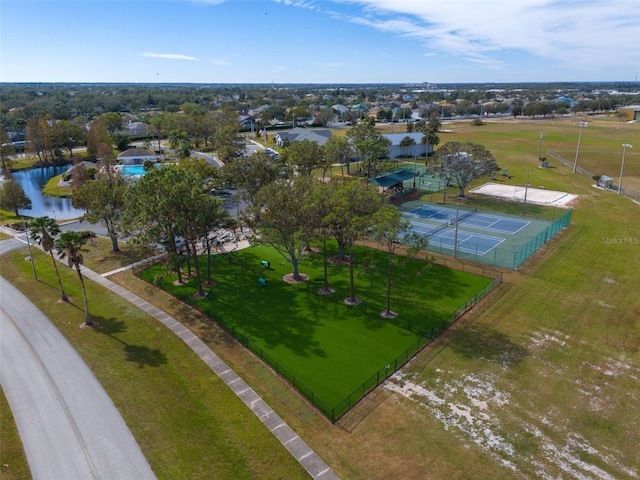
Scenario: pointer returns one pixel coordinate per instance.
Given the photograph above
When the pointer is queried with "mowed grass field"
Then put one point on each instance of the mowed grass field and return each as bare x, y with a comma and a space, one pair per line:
515, 146
324, 347
539, 381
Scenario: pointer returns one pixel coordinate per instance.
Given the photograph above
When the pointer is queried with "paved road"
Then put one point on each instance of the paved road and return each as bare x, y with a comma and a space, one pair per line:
69, 427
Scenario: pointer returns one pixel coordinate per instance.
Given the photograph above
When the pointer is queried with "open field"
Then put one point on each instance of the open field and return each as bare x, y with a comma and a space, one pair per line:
539, 381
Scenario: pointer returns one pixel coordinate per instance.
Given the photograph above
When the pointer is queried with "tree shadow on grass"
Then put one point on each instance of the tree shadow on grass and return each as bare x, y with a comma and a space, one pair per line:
142, 355
145, 356
110, 326
267, 314
486, 344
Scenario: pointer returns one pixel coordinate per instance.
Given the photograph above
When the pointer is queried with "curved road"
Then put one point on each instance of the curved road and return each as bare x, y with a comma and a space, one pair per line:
69, 427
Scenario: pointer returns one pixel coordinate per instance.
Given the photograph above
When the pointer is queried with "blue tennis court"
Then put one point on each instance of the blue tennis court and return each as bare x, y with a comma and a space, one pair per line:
444, 236
495, 223
485, 236
431, 213
469, 218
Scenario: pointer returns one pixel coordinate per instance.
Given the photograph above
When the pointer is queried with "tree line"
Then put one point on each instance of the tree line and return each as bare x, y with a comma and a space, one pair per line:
290, 201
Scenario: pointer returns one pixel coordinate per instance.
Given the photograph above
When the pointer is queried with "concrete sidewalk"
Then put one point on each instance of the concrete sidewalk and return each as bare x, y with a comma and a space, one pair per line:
311, 462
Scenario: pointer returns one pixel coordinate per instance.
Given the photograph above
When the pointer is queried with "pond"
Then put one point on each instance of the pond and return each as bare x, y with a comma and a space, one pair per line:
33, 181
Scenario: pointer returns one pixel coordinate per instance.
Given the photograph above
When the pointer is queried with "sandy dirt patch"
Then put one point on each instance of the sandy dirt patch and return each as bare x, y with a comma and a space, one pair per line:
517, 193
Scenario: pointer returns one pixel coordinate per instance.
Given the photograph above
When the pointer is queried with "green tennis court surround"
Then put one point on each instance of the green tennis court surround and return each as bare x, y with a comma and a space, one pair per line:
492, 238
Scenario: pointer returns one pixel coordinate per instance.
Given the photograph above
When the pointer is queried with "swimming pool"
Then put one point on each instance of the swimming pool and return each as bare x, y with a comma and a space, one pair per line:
133, 170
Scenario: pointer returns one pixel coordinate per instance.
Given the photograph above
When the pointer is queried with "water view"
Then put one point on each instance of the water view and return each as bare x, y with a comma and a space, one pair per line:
33, 181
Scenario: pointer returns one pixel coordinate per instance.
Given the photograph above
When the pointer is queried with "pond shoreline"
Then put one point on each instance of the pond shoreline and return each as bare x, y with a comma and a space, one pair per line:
34, 182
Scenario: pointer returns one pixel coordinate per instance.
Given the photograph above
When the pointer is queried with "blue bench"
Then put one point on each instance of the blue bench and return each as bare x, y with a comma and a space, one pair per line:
262, 281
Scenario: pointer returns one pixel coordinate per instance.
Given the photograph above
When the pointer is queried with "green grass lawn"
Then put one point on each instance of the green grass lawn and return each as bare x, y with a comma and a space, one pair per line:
101, 258
324, 347
515, 146
14, 464
7, 217
186, 420
54, 190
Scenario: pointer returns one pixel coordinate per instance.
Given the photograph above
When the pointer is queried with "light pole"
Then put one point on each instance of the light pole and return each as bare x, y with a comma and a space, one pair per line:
624, 151
526, 188
33, 265
575, 162
455, 236
540, 144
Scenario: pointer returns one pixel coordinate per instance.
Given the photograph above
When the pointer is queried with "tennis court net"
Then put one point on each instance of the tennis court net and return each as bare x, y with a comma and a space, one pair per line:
438, 229
428, 230
464, 215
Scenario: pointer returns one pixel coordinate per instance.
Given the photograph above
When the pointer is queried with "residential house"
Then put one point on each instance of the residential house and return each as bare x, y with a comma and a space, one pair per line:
134, 129
340, 109
247, 122
320, 136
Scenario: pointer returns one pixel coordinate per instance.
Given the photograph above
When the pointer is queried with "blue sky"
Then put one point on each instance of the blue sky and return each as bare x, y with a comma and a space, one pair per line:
309, 41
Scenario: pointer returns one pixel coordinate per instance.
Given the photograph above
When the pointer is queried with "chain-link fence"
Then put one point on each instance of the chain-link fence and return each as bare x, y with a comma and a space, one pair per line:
630, 192
425, 330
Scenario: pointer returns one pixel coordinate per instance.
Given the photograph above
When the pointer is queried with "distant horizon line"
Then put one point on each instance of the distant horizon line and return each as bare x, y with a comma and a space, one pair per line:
562, 82
629, 86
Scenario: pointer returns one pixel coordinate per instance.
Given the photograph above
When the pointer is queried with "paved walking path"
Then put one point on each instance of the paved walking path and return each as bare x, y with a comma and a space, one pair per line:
312, 463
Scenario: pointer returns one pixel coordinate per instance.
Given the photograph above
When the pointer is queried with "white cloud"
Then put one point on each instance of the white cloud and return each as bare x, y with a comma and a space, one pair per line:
170, 56
209, 2
583, 34
297, 3
220, 63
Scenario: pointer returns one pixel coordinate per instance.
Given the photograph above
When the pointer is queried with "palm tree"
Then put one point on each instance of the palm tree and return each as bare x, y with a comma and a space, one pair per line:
44, 230
69, 244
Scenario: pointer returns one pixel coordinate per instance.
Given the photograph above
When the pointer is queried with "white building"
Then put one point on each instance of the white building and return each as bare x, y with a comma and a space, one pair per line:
137, 156
419, 149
